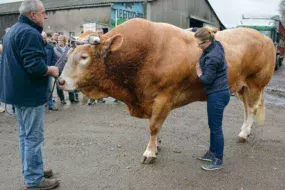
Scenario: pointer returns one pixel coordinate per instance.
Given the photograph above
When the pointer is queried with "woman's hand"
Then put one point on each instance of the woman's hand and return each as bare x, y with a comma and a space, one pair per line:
198, 69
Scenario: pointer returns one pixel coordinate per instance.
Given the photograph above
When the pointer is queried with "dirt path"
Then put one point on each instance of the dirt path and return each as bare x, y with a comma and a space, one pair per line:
100, 147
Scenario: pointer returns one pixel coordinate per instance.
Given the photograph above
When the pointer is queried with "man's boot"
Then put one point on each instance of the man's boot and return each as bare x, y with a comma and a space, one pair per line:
48, 173
46, 184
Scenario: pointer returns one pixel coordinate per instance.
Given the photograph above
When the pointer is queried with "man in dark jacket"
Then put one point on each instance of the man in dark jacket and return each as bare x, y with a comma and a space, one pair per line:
50, 61
23, 83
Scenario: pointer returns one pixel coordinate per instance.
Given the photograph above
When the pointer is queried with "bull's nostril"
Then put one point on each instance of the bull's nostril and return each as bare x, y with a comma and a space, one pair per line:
61, 81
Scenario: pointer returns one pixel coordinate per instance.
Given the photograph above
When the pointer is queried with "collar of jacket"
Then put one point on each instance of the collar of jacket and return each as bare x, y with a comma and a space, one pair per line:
210, 47
28, 21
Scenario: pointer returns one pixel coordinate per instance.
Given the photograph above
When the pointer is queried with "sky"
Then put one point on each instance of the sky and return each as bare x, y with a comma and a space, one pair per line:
230, 11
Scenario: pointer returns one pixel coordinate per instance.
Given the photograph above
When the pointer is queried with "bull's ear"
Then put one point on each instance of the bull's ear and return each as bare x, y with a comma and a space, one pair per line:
114, 43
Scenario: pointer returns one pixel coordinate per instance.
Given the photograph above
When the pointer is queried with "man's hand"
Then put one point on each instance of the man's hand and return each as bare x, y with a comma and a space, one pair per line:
52, 71
198, 69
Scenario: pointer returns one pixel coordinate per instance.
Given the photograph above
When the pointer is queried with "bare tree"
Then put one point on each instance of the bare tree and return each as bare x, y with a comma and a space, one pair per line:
282, 10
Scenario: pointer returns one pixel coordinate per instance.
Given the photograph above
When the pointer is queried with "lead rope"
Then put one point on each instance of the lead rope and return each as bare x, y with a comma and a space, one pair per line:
56, 64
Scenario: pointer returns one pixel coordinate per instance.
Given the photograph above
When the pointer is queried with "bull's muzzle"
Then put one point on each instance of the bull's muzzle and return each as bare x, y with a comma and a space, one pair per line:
61, 81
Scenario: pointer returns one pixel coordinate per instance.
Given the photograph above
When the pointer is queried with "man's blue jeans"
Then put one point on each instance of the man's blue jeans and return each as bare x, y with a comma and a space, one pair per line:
31, 137
216, 104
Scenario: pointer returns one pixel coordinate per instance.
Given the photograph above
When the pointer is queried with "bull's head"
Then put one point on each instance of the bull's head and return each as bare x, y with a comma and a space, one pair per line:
85, 67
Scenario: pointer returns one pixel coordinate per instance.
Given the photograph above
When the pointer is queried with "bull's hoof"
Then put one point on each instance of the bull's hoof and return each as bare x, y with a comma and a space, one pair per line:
242, 136
148, 160
241, 140
158, 149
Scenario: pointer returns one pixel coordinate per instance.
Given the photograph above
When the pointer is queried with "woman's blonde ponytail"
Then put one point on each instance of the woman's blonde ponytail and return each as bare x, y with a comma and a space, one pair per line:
206, 33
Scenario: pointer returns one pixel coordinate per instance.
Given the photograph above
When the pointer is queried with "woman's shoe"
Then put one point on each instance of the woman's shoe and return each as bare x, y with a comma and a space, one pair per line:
208, 156
216, 164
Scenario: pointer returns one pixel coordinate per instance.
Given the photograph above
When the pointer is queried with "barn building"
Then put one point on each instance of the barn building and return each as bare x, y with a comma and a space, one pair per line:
71, 17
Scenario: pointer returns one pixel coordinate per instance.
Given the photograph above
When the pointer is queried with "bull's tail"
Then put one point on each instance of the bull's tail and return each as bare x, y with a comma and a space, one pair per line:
260, 111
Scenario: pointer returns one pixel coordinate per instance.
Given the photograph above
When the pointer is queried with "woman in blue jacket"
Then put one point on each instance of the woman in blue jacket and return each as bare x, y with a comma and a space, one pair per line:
212, 72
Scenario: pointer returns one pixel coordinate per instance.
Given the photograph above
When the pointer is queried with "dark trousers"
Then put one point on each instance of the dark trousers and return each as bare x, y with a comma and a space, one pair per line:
61, 94
76, 94
216, 104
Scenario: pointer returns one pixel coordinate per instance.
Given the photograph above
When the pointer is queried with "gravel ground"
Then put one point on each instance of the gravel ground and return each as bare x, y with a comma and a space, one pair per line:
101, 146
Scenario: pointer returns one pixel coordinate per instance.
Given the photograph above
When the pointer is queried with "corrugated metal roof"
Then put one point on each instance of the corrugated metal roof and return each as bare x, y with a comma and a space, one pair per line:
11, 8
8, 8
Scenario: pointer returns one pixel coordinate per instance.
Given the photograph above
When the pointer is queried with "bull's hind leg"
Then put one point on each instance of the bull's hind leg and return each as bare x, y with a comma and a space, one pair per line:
246, 123
244, 103
161, 109
252, 99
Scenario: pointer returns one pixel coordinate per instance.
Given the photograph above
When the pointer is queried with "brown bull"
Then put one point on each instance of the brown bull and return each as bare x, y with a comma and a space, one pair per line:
151, 67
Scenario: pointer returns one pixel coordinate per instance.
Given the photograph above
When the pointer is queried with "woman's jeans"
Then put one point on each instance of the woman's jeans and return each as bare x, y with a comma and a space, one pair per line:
216, 104
31, 137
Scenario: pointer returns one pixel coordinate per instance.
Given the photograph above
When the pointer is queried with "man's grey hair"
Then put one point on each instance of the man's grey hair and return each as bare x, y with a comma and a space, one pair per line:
28, 6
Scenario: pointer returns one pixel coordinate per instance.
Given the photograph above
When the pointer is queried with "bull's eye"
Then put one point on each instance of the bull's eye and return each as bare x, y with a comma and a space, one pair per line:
84, 56
84, 59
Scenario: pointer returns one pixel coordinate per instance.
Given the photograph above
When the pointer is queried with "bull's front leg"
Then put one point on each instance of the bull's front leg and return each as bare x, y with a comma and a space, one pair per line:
150, 153
161, 109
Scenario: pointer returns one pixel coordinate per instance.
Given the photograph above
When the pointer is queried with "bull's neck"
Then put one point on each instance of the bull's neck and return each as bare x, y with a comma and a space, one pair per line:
106, 80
